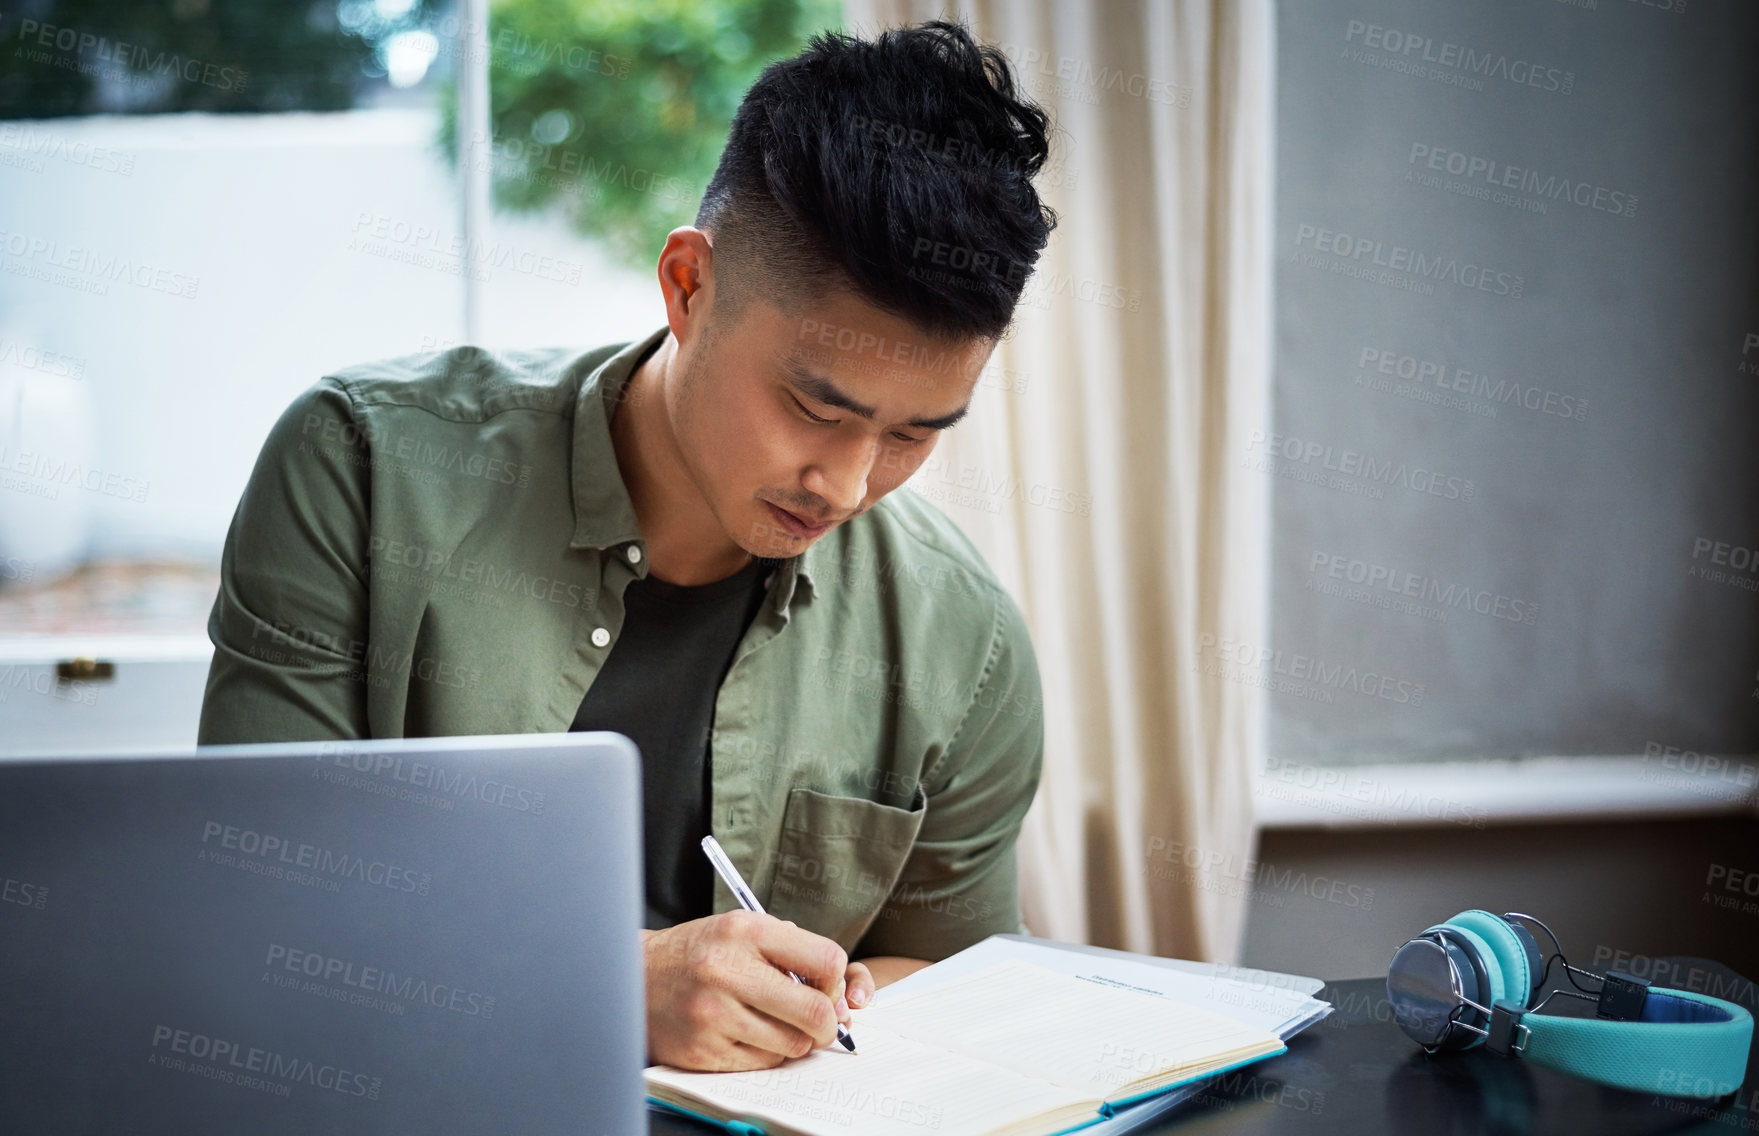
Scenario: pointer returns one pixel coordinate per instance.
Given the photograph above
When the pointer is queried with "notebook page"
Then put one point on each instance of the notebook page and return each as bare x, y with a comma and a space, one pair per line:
1091, 1037
892, 1087
1272, 1008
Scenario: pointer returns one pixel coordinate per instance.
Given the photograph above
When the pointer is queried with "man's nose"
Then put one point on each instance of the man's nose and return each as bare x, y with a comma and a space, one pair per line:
842, 476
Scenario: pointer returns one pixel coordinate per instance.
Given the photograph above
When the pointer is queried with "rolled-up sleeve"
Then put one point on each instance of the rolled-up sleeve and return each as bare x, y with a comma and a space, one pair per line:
289, 625
959, 883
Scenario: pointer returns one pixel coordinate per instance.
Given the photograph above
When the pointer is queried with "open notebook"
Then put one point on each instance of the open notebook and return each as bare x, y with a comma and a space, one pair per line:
1014, 1049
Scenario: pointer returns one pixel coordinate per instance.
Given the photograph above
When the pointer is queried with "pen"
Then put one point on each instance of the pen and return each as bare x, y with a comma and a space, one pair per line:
736, 884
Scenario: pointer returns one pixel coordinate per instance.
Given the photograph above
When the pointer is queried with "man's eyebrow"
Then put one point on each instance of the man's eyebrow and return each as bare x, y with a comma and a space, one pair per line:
823, 390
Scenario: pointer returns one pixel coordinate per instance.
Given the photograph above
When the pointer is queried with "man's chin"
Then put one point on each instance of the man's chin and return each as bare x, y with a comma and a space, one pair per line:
782, 547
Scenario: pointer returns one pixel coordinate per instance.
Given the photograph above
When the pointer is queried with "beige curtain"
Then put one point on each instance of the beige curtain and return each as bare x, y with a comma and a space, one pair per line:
1101, 470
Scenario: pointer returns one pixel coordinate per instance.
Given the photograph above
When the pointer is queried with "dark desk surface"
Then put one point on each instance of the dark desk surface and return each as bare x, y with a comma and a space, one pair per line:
1355, 1073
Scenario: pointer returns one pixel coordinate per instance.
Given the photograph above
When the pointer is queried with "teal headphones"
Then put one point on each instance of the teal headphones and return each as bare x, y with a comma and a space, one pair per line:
1473, 980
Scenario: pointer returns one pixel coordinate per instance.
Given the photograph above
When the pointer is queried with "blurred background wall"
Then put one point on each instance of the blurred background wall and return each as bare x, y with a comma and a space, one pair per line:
1517, 490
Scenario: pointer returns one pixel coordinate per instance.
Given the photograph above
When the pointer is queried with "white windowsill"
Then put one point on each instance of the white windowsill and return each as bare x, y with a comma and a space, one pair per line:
25, 650
1474, 794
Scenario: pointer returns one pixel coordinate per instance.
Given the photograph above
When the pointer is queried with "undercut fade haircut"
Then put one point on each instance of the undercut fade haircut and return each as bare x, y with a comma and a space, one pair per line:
899, 167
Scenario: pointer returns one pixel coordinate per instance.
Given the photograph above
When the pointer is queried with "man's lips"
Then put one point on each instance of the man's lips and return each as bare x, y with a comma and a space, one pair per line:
796, 524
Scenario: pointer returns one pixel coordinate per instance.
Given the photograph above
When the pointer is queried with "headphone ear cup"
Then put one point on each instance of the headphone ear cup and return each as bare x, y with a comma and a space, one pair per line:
1507, 959
1535, 961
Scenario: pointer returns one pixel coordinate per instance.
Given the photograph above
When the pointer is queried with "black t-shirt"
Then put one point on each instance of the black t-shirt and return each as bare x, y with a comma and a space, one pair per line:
658, 686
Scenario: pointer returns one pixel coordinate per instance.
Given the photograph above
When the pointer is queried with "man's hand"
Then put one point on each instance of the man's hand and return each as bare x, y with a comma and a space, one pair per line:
719, 997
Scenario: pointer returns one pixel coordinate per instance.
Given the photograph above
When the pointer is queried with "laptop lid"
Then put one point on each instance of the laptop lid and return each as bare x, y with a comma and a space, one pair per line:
411, 936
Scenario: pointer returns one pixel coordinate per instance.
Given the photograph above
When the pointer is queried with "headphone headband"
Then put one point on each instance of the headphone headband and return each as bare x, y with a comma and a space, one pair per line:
1684, 1044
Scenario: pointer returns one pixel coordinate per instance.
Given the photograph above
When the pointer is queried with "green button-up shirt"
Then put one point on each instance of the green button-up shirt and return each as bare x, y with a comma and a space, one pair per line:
438, 545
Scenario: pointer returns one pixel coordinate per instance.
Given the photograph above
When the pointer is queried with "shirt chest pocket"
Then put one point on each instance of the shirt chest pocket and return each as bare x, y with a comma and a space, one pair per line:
838, 859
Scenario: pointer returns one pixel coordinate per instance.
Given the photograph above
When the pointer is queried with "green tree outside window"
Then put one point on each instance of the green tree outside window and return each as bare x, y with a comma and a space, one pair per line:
617, 110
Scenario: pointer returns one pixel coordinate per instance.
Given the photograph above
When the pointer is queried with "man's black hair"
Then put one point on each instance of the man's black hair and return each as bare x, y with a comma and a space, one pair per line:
901, 166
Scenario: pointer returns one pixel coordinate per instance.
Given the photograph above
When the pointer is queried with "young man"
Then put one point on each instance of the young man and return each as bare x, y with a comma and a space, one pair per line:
689, 539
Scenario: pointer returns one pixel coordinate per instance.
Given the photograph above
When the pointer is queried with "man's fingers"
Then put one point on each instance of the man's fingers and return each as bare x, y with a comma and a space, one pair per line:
759, 1030
818, 960
753, 1057
859, 991
762, 987
793, 1004
841, 1000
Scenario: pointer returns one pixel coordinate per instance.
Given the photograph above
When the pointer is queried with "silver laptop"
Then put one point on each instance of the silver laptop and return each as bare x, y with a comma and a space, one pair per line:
425, 936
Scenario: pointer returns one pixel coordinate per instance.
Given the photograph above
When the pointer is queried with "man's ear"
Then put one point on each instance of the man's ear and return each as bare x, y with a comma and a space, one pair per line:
686, 272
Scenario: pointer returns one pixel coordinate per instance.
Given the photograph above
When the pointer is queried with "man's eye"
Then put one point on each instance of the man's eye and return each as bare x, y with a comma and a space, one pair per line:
809, 414
907, 438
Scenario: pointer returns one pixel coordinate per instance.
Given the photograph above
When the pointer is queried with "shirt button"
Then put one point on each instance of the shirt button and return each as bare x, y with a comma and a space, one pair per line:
635, 554
600, 637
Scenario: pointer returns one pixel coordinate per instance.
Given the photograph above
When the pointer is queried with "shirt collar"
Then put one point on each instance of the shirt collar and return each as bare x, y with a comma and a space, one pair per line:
603, 514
